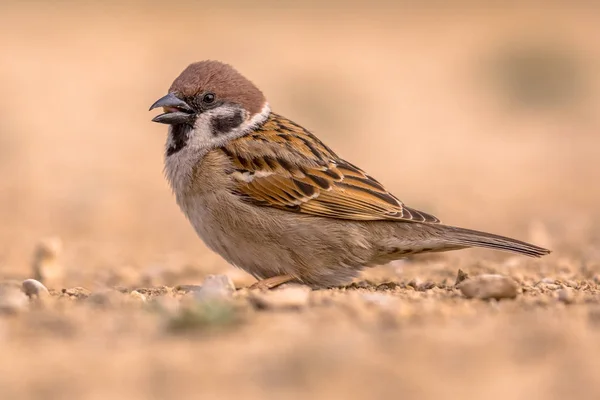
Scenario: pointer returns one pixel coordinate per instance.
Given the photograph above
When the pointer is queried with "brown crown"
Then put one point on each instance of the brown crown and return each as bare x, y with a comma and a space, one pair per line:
221, 79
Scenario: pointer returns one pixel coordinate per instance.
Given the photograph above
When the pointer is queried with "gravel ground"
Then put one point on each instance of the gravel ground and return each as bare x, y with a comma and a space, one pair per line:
392, 334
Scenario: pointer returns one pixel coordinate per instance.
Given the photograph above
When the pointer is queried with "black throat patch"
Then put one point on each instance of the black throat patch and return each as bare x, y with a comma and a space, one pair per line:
223, 124
179, 138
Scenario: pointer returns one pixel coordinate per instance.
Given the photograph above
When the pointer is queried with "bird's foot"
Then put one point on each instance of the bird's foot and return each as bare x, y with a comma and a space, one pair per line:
270, 283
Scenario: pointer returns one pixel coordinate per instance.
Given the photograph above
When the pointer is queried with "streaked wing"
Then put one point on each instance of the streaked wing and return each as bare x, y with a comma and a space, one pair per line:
283, 165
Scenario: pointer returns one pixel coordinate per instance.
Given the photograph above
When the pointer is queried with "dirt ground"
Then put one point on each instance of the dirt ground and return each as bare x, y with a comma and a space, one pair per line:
485, 117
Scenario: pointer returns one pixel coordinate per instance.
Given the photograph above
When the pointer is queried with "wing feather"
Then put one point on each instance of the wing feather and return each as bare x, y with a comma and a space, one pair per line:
282, 165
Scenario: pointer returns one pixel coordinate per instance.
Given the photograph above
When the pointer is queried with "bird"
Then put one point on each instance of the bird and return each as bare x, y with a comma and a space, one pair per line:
272, 199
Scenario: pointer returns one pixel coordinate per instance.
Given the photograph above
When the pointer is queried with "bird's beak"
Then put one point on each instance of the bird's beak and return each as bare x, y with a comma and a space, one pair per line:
176, 110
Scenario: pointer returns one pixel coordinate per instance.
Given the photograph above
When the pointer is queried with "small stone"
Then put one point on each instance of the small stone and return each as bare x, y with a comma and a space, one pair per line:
215, 287
289, 298
461, 276
364, 284
188, 288
572, 284
385, 286
46, 266
489, 286
137, 296
12, 300
550, 286
415, 283
566, 296
426, 286
77, 292
156, 291
34, 289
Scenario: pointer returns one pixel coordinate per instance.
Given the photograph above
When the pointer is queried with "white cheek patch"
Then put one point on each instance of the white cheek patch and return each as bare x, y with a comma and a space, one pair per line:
203, 136
200, 140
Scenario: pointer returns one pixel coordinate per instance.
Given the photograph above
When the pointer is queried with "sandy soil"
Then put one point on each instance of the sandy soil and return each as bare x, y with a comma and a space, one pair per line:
484, 117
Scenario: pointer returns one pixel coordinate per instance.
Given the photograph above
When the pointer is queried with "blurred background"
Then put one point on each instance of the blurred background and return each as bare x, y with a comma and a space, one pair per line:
484, 114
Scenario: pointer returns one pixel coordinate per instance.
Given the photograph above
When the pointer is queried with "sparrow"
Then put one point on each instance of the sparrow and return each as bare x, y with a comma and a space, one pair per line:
271, 198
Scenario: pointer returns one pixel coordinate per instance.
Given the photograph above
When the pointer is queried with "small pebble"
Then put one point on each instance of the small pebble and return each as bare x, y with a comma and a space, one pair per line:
215, 287
572, 284
289, 298
489, 286
188, 288
77, 292
550, 286
415, 283
12, 300
566, 296
426, 286
460, 277
33, 288
137, 296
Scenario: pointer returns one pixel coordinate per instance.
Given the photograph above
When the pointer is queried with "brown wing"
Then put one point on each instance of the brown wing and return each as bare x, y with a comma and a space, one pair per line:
283, 165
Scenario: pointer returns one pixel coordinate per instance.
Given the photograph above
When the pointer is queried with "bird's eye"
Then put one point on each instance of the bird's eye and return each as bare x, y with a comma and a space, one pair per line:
208, 98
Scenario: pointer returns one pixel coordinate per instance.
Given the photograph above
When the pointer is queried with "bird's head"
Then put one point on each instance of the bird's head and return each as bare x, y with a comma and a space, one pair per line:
208, 104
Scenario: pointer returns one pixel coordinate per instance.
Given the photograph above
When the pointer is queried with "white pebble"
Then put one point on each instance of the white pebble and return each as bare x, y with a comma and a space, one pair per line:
137, 296
215, 287
33, 288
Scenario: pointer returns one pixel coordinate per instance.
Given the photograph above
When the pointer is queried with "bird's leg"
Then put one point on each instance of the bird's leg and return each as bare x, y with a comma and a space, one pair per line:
270, 283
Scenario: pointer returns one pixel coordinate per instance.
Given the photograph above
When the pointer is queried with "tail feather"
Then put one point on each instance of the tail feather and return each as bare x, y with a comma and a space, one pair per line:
471, 238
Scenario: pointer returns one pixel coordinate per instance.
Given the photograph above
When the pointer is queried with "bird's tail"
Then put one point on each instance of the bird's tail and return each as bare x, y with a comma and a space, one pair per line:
462, 237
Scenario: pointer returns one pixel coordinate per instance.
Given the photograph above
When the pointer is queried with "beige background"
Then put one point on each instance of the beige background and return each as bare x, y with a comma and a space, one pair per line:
403, 91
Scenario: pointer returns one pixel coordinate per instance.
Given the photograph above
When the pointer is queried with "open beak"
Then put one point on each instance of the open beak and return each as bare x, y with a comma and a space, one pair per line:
176, 110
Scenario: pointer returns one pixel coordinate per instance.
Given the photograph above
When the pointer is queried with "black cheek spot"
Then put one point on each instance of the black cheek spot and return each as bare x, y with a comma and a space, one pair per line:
224, 124
179, 138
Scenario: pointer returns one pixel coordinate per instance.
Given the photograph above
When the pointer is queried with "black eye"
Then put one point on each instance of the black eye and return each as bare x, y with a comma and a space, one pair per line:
208, 98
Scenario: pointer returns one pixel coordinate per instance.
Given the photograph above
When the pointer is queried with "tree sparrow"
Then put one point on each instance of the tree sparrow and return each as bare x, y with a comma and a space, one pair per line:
271, 198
